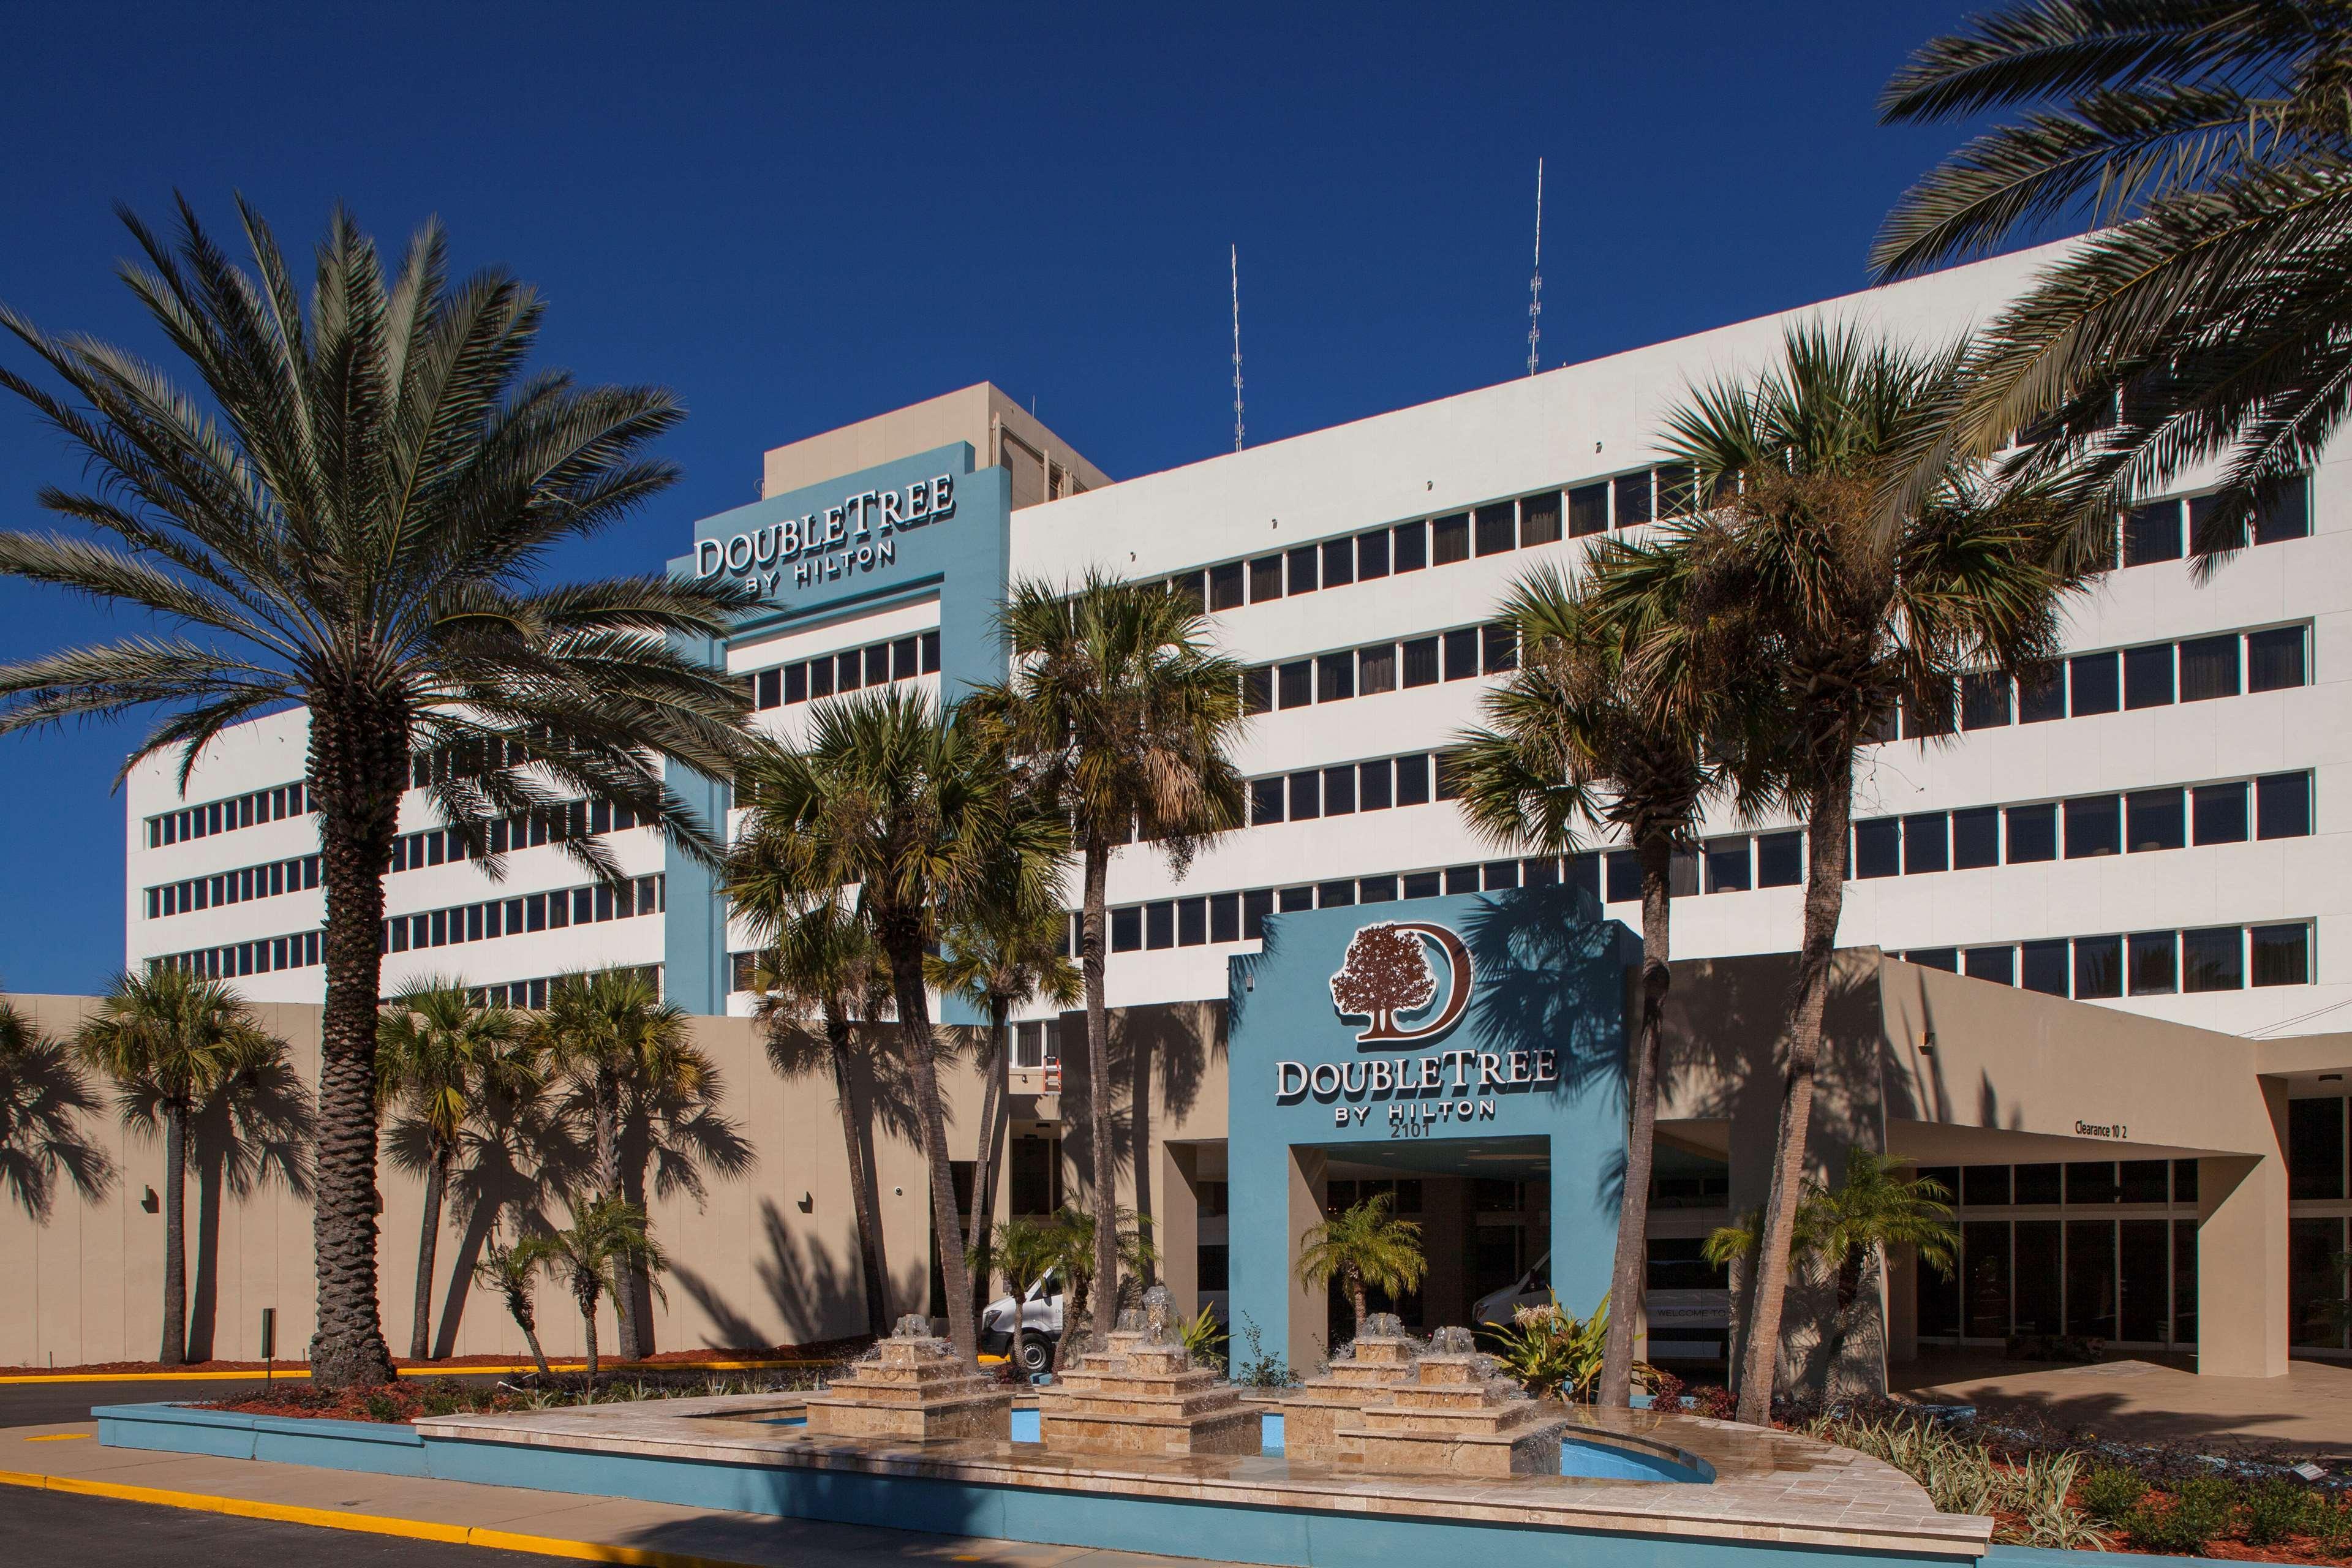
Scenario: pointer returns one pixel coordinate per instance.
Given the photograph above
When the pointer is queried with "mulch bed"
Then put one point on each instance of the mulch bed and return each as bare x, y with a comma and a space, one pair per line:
821, 1350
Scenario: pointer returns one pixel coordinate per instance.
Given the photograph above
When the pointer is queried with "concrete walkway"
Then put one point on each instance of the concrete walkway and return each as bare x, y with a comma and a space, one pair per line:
597, 1528
2143, 1401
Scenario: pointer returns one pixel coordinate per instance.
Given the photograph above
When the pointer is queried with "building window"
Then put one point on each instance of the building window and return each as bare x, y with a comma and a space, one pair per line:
1498, 529
1539, 520
1412, 780
1338, 791
1449, 775
2153, 820
1298, 683
1411, 546
1371, 555
1984, 700
1159, 925
2041, 694
2093, 826
1780, 859
2096, 688
1257, 904
1677, 490
1976, 838
1376, 670
2274, 660
2154, 963
1257, 688
1587, 510
2209, 669
1305, 790
1499, 647
2147, 677
1266, 579
1372, 785
2152, 534
1338, 563
1225, 587
2282, 511
2220, 813
1927, 844
1224, 917
1998, 964
1449, 538
1304, 561
2043, 965
2098, 967
1632, 495
2213, 960
1462, 654
1421, 662
1728, 865
1336, 680
1127, 929
2282, 805
2281, 954
1878, 848
1376, 891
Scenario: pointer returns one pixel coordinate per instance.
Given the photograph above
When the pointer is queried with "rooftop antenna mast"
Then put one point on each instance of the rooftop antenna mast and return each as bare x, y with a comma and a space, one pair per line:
1535, 284
1237, 347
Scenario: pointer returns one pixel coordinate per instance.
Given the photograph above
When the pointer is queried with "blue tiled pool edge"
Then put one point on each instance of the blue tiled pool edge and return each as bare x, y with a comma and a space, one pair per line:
1279, 1537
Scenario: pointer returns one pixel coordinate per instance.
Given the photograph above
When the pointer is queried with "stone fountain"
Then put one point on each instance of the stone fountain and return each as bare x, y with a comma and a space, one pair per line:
912, 1388
1141, 1395
1381, 1357
1455, 1416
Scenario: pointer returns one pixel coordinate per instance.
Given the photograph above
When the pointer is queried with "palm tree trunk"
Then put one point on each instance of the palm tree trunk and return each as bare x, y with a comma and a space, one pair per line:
906, 955
1356, 1298
176, 1235
992, 1110
1626, 1276
436, 1183
588, 1328
358, 767
608, 1182
538, 1356
1824, 901
1105, 1175
864, 1201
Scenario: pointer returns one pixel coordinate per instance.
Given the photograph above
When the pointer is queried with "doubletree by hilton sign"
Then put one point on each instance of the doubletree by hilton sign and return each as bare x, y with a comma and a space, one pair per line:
1387, 980
822, 546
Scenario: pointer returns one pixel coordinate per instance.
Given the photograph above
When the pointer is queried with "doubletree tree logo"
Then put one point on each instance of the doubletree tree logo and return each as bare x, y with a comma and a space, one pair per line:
1387, 972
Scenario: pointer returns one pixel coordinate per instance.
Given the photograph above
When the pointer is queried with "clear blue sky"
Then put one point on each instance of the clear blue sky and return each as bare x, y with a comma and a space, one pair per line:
800, 215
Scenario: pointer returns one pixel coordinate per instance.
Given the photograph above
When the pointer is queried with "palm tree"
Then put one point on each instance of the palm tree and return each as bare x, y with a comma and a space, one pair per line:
605, 1248
821, 960
44, 1095
1079, 1264
439, 1058
1024, 1251
347, 511
648, 1093
1365, 1247
1125, 716
1572, 737
908, 803
1820, 632
998, 956
172, 1042
507, 1270
1846, 1229
2214, 139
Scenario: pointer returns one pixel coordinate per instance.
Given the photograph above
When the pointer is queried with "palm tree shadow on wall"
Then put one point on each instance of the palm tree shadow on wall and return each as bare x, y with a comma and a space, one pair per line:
804, 1283
1159, 1059
671, 1143
44, 1096
255, 1133
517, 1160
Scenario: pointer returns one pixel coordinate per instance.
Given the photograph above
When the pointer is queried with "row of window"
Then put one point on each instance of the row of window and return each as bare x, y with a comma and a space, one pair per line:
1455, 655
2130, 1279
2315, 1147
877, 663
495, 918
1241, 917
2137, 963
2156, 675
266, 881
1349, 787
523, 830
226, 815
2072, 1184
2083, 826
2172, 529
299, 951
532, 994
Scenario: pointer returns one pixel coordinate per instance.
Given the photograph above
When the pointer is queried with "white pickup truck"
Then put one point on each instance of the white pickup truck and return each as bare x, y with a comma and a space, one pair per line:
1041, 1325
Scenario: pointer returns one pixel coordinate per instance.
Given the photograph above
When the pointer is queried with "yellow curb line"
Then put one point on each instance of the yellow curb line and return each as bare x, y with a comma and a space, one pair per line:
371, 1523
411, 1372
61, 1437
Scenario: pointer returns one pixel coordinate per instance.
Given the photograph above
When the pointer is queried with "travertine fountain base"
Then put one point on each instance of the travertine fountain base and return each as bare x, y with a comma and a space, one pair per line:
1312, 1418
916, 1389
1457, 1416
1142, 1395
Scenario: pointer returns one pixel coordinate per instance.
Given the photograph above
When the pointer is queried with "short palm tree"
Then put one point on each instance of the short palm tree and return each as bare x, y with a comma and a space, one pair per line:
171, 1042
604, 1247
1079, 1264
44, 1095
1366, 1247
509, 1271
1572, 737
632, 1060
348, 510
1847, 1230
821, 960
1126, 716
439, 1061
1820, 632
1022, 1251
910, 803
2215, 140
998, 956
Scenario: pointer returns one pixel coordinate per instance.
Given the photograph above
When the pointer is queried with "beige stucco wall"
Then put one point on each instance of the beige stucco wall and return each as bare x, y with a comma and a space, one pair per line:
975, 414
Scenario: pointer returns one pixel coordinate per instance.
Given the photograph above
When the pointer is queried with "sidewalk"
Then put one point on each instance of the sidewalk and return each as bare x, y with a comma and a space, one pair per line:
607, 1529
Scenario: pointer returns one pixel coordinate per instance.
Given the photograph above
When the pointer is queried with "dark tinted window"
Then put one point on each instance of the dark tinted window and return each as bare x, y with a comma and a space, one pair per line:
2284, 511
1780, 859
1377, 890
2314, 1149
1266, 579
1624, 877
845, 670
1449, 539
2152, 534
1946, 959
2220, 813
1984, 702
1338, 791
1447, 766
2098, 966
1339, 562
2039, 1184
1677, 490
1423, 884
2209, 669
2274, 660
1728, 865
1298, 683
2041, 694
1257, 904
1267, 796
2091, 1182
1372, 555
1926, 843
2282, 805
1499, 647
1995, 964
930, 653
1411, 546
2213, 960
1412, 780
1462, 654
2095, 687
1127, 929
1335, 677
1499, 874
1539, 520
1461, 879
2093, 826
1421, 662
1305, 574
1257, 688
1159, 925
1633, 499
1878, 848
1587, 509
1376, 670
1498, 528
2032, 834
1288, 900
2211, 528
1226, 585
906, 658
2153, 819
1984, 1184
2147, 676
1373, 780
1976, 838
2281, 954
2154, 963
1306, 795
2042, 967
1331, 895
771, 689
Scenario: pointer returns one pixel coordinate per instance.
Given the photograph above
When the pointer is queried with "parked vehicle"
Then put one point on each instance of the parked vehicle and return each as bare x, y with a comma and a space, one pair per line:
1041, 1325
1686, 1298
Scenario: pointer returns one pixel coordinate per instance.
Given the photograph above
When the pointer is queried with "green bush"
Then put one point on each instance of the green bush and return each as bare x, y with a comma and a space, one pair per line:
2201, 1510
2278, 1509
2109, 1493
382, 1406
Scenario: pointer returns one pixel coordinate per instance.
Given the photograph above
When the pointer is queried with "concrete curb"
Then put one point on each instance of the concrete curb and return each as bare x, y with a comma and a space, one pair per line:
370, 1523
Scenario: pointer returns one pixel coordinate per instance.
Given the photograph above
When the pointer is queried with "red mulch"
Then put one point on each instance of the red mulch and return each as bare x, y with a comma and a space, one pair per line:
822, 1349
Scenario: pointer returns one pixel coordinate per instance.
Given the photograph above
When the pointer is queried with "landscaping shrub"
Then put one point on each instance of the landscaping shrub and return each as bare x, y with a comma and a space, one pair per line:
382, 1406
2200, 1510
2108, 1493
2279, 1508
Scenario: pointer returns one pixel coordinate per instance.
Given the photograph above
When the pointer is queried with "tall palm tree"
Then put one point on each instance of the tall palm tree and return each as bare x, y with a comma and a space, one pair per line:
1789, 592
821, 960
439, 1060
347, 509
1081, 1263
509, 1272
1125, 715
1022, 1250
909, 802
171, 1042
998, 956
2211, 145
44, 1095
648, 1094
1365, 1247
1573, 737
607, 1246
